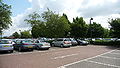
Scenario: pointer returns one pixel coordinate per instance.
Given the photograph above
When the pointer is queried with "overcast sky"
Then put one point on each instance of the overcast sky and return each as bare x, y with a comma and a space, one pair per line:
100, 10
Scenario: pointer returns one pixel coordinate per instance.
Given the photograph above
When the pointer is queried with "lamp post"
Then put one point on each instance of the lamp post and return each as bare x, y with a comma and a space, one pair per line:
90, 30
20, 33
1, 32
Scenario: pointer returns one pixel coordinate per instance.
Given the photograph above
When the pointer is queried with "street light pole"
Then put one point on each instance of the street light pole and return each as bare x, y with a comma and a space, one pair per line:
1, 33
20, 33
90, 30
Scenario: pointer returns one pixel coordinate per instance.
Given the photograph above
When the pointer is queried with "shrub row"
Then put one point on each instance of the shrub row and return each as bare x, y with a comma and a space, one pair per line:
105, 42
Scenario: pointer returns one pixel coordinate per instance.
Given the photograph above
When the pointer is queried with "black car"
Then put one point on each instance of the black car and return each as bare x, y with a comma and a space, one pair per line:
21, 45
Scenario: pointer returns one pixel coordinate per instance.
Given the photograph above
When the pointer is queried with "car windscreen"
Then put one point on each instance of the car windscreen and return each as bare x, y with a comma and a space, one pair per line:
5, 42
66, 39
27, 41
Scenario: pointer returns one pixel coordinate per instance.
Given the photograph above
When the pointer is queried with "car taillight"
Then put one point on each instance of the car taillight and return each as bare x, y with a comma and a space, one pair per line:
25, 44
66, 42
33, 44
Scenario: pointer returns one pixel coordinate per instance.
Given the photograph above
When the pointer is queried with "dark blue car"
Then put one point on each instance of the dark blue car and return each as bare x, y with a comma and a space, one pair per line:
21, 45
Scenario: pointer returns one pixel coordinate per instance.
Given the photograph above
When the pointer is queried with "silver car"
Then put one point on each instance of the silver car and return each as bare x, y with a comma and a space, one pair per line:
6, 45
42, 45
62, 42
73, 42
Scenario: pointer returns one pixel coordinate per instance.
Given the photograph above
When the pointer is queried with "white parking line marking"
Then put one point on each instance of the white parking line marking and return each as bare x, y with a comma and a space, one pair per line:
59, 57
85, 59
104, 64
109, 57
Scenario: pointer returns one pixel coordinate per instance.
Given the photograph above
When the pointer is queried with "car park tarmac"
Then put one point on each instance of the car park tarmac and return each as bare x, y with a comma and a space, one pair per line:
62, 57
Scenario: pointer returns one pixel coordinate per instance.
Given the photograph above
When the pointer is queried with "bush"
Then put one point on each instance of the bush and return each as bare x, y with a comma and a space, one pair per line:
106, 42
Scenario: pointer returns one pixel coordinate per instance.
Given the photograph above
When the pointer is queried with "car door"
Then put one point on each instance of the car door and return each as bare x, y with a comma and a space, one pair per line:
18, 43
60, 42
56, 43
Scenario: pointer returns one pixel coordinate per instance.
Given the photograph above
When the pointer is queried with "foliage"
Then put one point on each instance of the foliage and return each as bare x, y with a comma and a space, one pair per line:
5, 19
97, 30
78, 28
25, 34
107, 42
33, 19
16, 35
50, 24
56, 25
106, 33
115, 27
38, 30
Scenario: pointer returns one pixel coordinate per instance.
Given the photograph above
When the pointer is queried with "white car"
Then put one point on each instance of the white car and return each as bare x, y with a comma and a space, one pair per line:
6, 45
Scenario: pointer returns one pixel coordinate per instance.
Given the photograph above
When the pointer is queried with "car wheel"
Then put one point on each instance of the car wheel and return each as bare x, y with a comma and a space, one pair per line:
61, 45
19, 49
53, 45
31, 50
37, 48
11, 51
47, 49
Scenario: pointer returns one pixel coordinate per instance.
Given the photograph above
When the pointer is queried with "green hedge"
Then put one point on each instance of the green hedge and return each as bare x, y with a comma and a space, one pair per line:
105, 42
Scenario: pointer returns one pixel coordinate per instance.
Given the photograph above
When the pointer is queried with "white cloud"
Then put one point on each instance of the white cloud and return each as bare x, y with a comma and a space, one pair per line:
100, 10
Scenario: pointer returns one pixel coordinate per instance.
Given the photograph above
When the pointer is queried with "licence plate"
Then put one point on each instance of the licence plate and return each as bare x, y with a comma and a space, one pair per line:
6, 46
30, 46
46, 45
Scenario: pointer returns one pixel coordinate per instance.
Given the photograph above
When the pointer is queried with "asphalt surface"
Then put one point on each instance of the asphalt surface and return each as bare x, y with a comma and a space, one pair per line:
110, 59
73, 57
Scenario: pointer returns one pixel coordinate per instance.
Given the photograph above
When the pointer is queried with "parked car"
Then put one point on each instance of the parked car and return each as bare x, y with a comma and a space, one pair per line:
62, 42
73, 42
41, 45
21, 45
82, 42
6, 45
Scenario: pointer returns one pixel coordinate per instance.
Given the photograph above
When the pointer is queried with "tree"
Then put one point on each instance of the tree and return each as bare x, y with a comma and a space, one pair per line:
97, 30
78, 28
16, 35
39, 30
56, 25
33, 19
36, 24
115, 27
106, 33
5, 19
67, 33
66, 18
25, 34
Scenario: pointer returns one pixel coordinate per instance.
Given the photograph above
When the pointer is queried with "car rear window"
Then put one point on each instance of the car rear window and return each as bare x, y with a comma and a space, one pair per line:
59, 39
67, 40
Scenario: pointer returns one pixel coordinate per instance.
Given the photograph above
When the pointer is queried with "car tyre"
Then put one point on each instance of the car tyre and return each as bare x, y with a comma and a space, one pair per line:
61, 45
47, 48
31, 49
19, 49
53, 45
11, 51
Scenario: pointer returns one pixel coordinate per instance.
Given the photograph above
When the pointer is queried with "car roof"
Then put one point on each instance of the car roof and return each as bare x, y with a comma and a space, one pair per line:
5, 39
